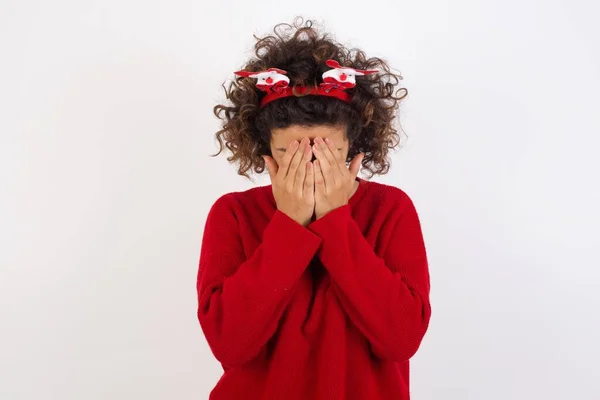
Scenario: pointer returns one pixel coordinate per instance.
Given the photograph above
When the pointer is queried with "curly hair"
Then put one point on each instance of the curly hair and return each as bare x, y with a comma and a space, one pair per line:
302, 51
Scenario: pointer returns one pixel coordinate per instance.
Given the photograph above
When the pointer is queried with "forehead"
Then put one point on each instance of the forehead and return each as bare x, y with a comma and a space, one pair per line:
298, 132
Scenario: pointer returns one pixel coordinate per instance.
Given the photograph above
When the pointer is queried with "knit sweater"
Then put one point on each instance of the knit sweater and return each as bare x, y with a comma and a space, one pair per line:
330, 311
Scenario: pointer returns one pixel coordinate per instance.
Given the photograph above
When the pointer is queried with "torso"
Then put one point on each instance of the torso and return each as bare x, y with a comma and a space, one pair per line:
316, 349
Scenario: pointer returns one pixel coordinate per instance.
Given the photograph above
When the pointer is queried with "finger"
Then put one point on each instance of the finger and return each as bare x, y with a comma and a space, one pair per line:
309, 182
286, 159
355, 165
301, 171
326, 151
335, 157
293, 167
320, 185
325, 167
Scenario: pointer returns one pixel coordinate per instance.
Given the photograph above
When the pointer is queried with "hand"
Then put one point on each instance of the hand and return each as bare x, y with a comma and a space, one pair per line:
334, 182
293, 182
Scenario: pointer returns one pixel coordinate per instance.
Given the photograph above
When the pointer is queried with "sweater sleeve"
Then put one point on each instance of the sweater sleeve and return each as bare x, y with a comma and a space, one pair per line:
240, 301
386, 297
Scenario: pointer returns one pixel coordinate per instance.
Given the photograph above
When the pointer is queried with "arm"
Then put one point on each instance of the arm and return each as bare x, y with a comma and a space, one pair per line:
386, 297
240, 301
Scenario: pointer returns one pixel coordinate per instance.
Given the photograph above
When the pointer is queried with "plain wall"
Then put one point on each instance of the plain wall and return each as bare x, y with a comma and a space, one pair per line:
106, 129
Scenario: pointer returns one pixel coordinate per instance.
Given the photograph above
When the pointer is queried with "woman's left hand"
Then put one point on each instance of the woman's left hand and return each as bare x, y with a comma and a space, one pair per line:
334, 182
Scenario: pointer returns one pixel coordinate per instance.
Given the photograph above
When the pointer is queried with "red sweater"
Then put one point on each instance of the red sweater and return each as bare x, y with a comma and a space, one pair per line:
331, 311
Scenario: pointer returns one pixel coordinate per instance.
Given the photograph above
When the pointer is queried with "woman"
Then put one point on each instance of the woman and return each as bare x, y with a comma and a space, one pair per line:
316, 286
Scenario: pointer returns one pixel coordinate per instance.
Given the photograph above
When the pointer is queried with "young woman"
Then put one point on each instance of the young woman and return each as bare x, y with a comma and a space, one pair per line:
316, 286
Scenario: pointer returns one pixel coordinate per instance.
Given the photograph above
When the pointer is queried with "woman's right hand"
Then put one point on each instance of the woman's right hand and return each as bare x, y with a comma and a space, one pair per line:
293, 182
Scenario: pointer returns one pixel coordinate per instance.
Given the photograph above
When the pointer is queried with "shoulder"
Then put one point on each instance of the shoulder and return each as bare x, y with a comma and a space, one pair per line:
387, 196
238, 201
395, 207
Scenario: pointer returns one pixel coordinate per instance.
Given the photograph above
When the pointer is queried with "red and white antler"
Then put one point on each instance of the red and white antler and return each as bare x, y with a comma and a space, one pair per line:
343, 76
273, 79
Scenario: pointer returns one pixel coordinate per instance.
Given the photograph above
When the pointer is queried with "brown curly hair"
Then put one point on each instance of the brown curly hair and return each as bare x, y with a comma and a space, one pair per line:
300, 50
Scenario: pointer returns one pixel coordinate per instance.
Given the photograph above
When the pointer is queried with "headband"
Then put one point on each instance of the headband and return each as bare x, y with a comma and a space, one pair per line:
275, 83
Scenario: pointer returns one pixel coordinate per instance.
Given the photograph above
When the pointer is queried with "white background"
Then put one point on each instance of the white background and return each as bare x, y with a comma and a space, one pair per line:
106, 129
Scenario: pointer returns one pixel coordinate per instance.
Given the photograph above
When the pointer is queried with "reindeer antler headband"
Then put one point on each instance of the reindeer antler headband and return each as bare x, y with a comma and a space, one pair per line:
275, 83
